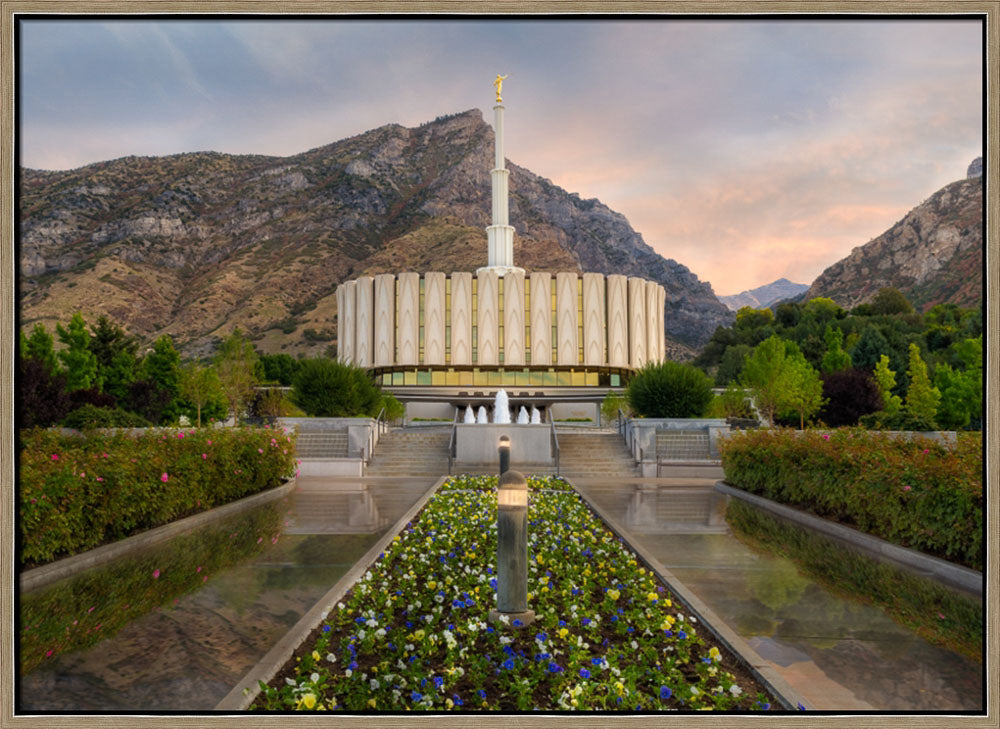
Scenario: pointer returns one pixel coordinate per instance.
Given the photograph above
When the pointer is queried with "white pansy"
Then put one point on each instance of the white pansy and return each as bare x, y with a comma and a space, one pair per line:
314, 677
290, 682
735, 690
331, 658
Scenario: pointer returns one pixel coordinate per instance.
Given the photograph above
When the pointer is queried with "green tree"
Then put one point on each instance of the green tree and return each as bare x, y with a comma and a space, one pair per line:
199, 385
764, 374
611, 404
870, 346
961, 389
669, 390
885, 378
79, 361
39, 346
732, 364
835, 359
922, 398
162, 368
803, 388
890, 301
235, 364
115, 351
327, 388
821, 310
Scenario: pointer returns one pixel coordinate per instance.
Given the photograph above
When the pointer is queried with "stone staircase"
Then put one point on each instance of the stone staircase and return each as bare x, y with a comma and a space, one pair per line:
402, 452
321, 444
598, 454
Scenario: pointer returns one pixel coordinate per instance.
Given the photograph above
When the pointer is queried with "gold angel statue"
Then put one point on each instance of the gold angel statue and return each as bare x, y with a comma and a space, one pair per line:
498, 83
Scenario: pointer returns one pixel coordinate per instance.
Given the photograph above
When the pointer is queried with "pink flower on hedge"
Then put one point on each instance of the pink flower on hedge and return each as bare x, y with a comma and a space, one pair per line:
104, 455
260, 450
826, 436
906, 488
55, 456
205, 578
99, 478
48, 653
156, 574
164, 477
180, 434
926, 450
204, 455
209, 442
260, 539
199, 569
83, 474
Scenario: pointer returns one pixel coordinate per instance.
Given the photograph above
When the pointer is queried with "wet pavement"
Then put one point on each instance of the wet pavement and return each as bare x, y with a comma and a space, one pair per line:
839, 654
187, 656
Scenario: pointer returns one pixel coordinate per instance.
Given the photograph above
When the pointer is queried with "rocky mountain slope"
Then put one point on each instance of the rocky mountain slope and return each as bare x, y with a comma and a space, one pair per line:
933, 255
763, 296
196, 244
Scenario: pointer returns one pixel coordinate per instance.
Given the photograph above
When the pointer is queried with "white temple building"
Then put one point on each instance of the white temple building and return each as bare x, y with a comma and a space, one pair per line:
451, 340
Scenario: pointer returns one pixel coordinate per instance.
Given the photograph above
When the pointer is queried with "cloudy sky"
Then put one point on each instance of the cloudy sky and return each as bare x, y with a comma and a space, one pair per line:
745, 149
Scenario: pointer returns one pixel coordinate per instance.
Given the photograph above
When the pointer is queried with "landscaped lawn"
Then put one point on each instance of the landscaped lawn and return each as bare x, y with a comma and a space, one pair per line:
413, 633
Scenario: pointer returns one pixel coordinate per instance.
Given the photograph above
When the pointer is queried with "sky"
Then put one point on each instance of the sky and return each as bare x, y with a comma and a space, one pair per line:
746, 149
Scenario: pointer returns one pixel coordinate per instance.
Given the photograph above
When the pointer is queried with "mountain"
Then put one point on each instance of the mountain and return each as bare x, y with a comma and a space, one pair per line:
763, 296
933, 255
194, 245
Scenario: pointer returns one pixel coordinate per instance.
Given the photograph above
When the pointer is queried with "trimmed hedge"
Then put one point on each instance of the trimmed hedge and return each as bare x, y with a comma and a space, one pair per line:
78, 492
916, 493
92, 416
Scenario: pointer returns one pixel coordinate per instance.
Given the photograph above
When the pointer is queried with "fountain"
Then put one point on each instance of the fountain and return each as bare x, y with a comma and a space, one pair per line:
470, 417
481, 415
501, 411
522, 416
536, 417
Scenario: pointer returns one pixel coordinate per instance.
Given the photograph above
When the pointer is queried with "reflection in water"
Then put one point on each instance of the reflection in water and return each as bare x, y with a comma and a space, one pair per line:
658, 510
188, 654
839, 654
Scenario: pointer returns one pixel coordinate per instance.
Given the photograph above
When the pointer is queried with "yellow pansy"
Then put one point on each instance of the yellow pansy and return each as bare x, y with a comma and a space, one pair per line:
309, 700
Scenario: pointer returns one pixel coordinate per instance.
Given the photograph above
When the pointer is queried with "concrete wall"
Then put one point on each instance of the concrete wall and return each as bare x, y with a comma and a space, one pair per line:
429, 410
563, 410
478, 443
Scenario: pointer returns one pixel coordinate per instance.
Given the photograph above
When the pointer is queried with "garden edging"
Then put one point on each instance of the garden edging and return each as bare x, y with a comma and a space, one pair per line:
38, 577
761, 669
243, 693
952, 575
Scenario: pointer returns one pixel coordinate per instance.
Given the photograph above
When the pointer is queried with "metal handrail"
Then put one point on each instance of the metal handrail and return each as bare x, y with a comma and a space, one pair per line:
555, 441
452, 442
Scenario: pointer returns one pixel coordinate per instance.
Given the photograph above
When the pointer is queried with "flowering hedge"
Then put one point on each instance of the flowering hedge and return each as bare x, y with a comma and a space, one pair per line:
80, 611
80, 491
916, 493
413, 633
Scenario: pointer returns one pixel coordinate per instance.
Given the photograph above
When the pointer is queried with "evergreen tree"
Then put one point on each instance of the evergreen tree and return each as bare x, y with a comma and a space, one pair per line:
835, 359
885, 379
162, 367
890, 301
869, 348
79, 361
922, 398
39, 346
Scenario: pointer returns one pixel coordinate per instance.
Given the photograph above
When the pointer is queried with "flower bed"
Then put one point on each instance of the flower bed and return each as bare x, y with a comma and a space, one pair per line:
80, 491
916, 493
413, 632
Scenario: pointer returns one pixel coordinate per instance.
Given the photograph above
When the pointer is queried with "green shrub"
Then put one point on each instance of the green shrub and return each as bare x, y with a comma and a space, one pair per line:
669, 390
77, 492
91, 416
326, 388
899, 420
733, 403
394, 409
611, 404
916, 493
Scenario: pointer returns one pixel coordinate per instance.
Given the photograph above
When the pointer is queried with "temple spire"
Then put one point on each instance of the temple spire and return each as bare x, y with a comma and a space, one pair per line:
500, 234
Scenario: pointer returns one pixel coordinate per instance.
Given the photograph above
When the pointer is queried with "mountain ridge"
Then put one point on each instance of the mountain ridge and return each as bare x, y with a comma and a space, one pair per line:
197, 243
764, 296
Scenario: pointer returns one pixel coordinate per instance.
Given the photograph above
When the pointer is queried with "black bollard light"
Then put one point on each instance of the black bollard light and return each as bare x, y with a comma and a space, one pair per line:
504, 454
512, 553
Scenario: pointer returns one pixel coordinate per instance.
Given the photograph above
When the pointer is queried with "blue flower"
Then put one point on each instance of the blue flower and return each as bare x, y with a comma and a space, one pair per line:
438, 681
508, 664
665, 692
586, 621
415, 696
493, 583
595, 661
458, 701
359, 621
682, 635
801, 707
562, 623
481, 693
517, 623
707, 660
763, 705
555, 668
668, 633
584, 673
326, 628
542, 637
353, 666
